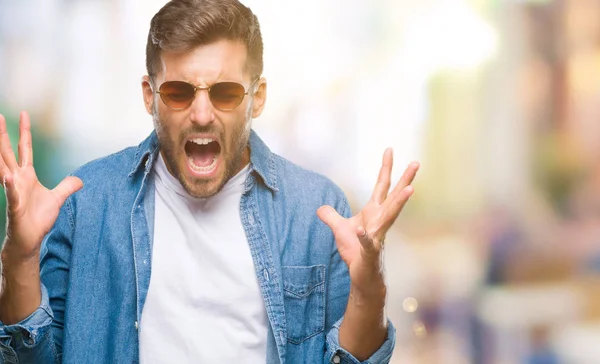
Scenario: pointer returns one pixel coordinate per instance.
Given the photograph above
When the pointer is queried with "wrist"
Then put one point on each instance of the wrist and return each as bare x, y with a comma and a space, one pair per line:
18, 268
367, 280
372, 296
12, 255
20, 292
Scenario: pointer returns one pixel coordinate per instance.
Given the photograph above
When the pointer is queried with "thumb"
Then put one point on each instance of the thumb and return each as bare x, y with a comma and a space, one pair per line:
329, 216
66, 188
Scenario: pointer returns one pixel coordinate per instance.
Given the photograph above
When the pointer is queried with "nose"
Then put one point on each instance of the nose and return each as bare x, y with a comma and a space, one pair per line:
202, 110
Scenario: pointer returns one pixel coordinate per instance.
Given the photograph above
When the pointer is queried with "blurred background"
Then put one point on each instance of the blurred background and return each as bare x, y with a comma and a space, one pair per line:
497, 257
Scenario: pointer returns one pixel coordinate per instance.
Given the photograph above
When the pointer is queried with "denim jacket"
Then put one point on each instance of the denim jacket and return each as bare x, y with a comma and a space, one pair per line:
96, 263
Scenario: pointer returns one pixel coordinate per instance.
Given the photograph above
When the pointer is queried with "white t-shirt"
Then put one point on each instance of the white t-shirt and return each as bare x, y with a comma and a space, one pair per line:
204, 304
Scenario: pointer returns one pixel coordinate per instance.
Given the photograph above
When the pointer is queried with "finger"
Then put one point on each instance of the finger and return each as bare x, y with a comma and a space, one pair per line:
12, 197
66, 188
4, 171
371, 247
395, 205
329, 216
5, 149
3, 168
25, 148
407, 178
383, 181
365, 240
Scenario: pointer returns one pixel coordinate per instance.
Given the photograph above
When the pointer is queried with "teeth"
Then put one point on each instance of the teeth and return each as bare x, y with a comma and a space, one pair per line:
202, 141
206, 169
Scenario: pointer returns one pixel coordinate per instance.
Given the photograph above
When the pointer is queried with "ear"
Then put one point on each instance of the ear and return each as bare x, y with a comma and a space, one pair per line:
148, 94
260, 97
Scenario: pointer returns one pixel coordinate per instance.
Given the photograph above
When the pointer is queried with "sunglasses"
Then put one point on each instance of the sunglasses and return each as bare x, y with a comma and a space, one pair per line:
225, 96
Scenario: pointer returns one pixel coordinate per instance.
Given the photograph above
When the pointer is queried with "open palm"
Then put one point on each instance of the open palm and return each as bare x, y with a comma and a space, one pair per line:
32, 209
360, 239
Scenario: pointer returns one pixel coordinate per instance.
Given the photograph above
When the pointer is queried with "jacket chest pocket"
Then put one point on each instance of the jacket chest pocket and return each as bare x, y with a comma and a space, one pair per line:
304, 301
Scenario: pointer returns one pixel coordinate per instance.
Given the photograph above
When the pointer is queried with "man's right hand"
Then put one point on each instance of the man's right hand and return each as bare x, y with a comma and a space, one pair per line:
32, 210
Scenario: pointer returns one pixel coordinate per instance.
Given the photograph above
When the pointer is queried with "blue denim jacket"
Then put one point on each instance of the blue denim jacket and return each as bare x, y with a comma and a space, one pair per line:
96, 262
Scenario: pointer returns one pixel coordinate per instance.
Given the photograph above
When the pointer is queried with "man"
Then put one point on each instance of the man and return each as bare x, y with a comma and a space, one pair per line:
199, 244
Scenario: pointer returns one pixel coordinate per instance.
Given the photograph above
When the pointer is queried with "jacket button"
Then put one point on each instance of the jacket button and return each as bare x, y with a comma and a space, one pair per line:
136, 325
336, 359
27, 339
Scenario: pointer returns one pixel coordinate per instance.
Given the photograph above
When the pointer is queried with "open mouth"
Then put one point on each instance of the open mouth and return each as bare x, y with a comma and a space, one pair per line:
202, 154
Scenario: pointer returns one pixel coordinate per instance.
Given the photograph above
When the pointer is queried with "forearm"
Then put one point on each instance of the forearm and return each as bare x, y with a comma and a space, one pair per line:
364, 328
21, 294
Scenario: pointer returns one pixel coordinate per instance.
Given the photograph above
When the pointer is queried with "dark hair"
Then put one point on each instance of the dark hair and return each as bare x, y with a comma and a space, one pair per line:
182, 25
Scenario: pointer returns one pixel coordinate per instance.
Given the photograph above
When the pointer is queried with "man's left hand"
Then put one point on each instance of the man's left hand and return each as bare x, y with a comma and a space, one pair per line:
360, 239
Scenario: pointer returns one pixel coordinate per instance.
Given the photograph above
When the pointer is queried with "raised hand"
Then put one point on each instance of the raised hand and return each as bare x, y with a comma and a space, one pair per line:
360, 239
31, 209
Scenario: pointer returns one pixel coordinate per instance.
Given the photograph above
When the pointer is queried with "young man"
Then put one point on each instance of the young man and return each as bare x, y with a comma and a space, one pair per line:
199, 245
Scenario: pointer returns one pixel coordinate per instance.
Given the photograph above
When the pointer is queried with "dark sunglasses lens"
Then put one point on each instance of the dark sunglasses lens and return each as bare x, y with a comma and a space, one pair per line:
177, 94
227, 95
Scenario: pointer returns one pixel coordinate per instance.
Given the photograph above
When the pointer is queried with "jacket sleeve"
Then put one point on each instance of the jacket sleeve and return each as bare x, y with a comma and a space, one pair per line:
38, 338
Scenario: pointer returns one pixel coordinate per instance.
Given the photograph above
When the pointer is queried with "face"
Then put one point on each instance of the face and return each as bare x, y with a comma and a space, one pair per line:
202, 146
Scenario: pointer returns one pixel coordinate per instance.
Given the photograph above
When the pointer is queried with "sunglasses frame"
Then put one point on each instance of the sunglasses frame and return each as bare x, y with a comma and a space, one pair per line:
199, 88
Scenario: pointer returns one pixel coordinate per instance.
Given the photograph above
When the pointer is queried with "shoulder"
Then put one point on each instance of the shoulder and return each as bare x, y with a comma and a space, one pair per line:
116, 178
289, 179
304, 185
110, 168
106, 183
119, 167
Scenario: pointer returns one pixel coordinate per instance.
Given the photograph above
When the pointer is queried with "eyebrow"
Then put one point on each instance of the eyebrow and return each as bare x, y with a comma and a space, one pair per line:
186, 77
